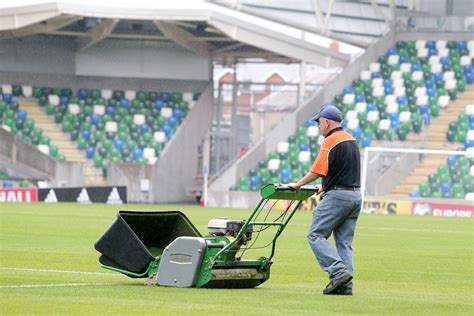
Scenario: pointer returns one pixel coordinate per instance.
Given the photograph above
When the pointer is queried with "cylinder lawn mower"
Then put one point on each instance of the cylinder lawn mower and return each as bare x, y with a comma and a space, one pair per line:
166, 248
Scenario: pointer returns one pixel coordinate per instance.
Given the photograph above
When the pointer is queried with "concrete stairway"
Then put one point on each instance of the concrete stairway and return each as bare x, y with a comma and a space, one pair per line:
92, 175
434, 138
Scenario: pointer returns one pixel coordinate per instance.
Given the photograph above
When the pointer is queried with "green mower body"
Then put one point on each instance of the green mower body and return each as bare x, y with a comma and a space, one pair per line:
168, 250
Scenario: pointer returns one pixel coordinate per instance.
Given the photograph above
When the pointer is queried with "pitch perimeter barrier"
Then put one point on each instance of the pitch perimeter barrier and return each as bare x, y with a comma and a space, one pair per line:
110, 195
18, 195
372, 205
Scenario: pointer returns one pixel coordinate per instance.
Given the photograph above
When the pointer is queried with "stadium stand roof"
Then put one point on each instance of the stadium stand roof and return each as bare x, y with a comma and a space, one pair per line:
224, 33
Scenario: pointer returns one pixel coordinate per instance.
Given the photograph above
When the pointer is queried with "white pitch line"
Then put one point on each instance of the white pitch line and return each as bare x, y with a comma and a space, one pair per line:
61, 271
52, 285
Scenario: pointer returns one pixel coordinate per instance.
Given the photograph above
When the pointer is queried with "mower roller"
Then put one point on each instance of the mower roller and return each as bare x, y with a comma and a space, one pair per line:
168, 250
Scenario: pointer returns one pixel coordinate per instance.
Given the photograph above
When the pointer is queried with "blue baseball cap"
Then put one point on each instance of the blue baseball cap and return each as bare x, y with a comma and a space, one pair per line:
329, 112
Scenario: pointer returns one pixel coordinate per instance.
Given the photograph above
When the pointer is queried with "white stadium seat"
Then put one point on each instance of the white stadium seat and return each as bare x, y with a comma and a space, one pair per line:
440, 44
443, 101
420, 44
7, 88
348, 99
399, 91
365, 75
374, 67
393, 59
434, 60
166, 112
130, 94
422, 53
397, 83
470, 109
450, 84
469, 196
396, 75
361, 107
470, 45
188, 96
392, 108
372, 116
377, 82
436, 68
422, 100
44, 149
417, 75
448, 75
27, 91
320, 140
405, 116
465, 60
312, 131
384, 125
139, 119
390, 99
420, 91
470, 135
352, 124
471, 171
273, 164
99, 109
351, 115
53, 99
159, 137
111, 127
405, 67
304, 156
378, 91
74, 108
283, 147
444, 52
106, 94
149, 153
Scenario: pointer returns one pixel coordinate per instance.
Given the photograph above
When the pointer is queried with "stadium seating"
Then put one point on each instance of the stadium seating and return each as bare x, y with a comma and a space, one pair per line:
398, 94
455, 179
462, 130
116, 126
16, 121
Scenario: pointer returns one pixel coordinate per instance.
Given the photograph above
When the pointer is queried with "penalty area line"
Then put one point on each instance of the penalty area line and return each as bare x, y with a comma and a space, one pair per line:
60, 271
28, 286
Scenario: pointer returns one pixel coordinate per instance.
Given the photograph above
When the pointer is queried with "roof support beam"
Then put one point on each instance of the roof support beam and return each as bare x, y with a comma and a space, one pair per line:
42, 27
379, 11
326, 29
97, 34
318, 13
182, 38
228, 47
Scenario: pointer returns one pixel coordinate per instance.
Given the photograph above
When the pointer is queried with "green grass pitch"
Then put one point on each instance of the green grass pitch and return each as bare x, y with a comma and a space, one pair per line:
404, 265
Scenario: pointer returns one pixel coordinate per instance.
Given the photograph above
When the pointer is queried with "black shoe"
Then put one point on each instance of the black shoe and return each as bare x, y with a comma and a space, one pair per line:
342, 291
335, 284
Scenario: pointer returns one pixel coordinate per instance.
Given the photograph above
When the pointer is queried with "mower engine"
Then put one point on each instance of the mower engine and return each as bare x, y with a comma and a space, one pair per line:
223, 226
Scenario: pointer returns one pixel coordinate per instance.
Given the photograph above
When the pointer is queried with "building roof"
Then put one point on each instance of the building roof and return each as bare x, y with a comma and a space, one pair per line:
225, 34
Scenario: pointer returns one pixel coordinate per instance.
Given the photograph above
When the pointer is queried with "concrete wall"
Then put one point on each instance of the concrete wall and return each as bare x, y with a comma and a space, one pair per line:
26, 161
43, 54
130, 176
143, 59
176, 168
38, 54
